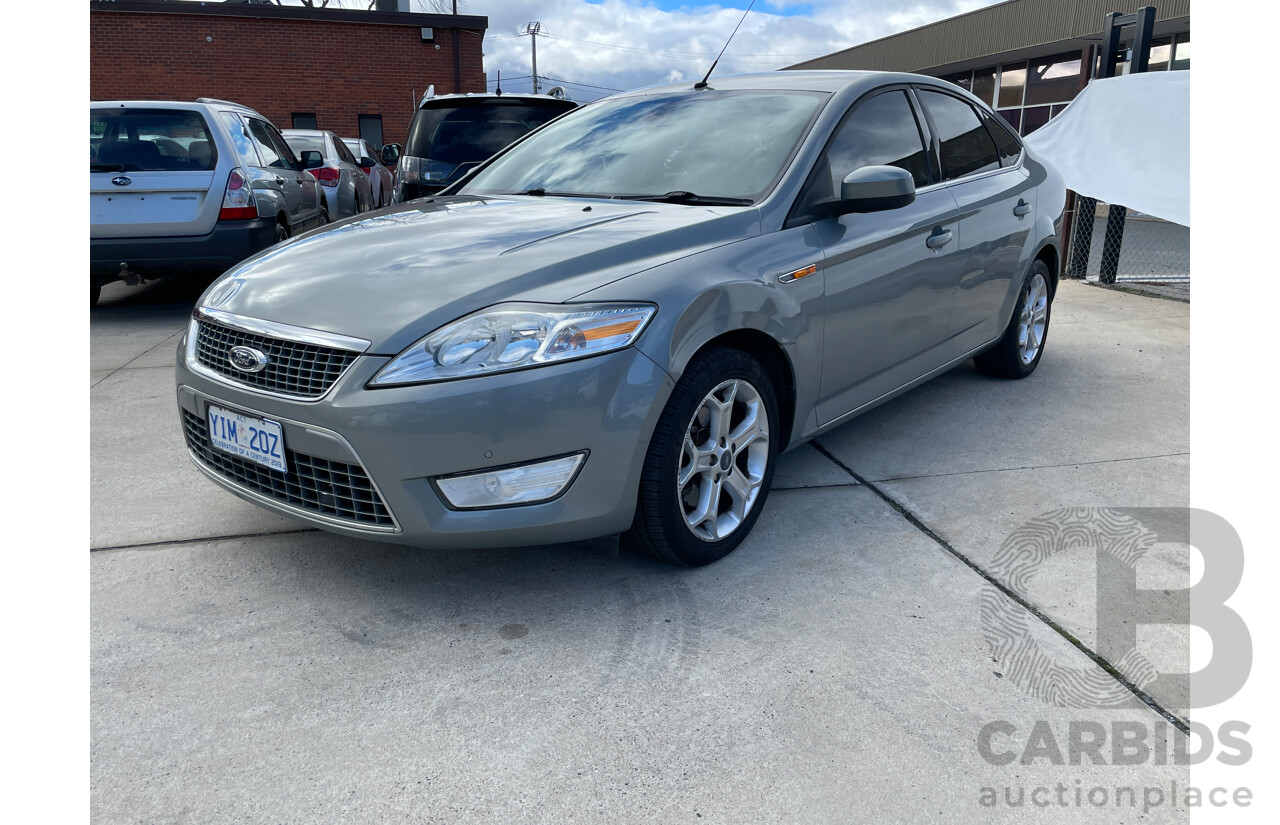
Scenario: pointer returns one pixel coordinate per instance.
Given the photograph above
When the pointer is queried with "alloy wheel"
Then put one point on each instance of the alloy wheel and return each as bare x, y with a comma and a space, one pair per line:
1033, 319
723, 459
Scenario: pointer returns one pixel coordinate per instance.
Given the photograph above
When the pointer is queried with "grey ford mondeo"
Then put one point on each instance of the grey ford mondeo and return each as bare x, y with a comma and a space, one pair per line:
617, 324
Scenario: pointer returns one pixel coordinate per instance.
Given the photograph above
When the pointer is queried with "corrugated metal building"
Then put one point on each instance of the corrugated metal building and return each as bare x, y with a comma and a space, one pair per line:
1027, 58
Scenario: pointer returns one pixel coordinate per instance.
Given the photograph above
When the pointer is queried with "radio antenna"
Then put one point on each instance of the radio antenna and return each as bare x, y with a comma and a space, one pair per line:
702, 84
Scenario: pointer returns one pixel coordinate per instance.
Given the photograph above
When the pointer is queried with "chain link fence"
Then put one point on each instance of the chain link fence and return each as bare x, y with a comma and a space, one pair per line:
1113, 245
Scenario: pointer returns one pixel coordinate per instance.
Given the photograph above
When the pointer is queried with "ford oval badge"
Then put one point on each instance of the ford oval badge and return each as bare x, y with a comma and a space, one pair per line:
122, 180
246, 359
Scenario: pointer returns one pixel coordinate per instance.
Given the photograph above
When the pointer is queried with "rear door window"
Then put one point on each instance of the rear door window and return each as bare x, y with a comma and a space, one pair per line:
149, 140
965, 144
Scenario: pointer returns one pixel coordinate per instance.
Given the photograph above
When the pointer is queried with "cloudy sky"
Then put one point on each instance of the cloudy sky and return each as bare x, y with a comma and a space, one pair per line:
605, 45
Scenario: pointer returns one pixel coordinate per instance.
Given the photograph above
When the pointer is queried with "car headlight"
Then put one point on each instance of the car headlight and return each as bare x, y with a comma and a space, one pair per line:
504, 339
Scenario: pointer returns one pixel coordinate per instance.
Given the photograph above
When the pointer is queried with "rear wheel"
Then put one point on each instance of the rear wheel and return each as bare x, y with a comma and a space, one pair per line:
1018, 353
282, 232
710, 464
324, 214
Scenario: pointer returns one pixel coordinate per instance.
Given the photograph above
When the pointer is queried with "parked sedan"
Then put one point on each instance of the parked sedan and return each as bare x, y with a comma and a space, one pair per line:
618, 323
346, 187
379, 176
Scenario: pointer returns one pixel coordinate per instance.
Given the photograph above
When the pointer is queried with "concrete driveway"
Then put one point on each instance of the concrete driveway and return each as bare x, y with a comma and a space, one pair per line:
847, 663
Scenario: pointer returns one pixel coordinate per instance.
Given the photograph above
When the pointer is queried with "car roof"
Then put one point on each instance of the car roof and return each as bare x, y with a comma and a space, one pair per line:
427, 102
202, 104
834, 80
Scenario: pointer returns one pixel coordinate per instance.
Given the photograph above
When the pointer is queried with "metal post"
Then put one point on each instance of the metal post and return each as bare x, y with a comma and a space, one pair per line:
532, 30
457, 59
1082, 238
1144, 22
1111, 245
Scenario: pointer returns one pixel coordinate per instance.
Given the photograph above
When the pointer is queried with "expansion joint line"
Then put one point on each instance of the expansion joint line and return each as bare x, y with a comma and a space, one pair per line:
1172, 718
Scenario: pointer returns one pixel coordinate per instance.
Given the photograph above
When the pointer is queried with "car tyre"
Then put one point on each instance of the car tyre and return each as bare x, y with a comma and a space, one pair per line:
1019, 351
324, 214
282, 232
710, 462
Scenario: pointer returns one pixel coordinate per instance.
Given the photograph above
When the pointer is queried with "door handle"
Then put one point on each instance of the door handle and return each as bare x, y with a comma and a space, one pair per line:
1023, 208
939, 238
279, 181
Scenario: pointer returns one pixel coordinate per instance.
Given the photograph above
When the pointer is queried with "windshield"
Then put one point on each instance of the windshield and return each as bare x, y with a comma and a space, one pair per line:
699, 146
473, 130
149, 140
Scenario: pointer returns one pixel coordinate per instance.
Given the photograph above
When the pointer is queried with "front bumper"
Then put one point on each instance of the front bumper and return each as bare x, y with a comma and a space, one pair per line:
228, 244
404, 437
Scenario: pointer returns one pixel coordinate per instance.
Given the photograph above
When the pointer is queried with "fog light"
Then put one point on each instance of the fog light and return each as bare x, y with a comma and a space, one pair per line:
524, 484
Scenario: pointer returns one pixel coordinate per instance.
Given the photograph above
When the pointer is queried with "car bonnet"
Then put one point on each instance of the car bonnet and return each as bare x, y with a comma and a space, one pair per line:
393, 277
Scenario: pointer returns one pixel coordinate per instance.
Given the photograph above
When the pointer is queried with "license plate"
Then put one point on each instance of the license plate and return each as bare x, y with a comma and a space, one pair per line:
255, 439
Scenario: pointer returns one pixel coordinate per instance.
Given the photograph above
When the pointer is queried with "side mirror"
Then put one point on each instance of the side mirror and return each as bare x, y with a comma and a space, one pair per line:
876, 189
312, 160
391, 154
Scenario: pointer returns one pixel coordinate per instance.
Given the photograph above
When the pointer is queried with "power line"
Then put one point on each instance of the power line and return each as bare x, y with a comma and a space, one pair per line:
586, 85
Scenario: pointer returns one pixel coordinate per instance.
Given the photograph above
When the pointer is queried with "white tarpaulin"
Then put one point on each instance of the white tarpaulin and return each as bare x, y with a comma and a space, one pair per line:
1126, 141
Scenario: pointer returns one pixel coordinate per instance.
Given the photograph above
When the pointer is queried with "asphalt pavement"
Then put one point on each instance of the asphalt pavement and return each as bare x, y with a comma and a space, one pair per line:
875, 651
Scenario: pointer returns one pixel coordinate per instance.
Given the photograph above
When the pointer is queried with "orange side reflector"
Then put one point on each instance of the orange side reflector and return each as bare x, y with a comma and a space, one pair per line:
798, 274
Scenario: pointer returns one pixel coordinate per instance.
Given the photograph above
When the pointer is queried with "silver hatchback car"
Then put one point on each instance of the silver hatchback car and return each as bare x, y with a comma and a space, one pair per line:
178, 188
618, 323
346, 187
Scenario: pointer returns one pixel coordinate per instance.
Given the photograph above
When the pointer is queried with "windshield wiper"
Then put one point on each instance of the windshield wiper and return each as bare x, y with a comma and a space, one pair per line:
94, 166
690, 198
539, 192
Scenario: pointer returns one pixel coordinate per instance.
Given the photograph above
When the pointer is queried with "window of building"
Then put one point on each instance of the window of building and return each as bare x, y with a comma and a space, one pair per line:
1013, 81
303, 120
1013, 117
1182, 52
371, 130
966, 146
984, 85
1161, 51
964, 80
1053, 79
1033, 117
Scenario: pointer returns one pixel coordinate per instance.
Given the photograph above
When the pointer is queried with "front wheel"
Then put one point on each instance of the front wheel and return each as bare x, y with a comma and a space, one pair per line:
1018, 353
710, 464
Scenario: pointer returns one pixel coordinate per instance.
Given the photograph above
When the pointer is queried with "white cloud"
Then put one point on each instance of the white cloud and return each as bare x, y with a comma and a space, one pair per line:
625, 44
647, 45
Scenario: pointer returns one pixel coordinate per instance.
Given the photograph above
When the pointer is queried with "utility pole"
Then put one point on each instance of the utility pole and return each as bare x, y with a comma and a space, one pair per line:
532, 30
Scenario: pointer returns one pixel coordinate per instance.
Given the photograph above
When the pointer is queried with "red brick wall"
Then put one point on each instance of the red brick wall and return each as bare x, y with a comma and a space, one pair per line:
335, 70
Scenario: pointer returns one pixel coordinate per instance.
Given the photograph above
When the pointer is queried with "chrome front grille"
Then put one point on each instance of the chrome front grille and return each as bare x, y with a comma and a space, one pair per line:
339, 491
294, 369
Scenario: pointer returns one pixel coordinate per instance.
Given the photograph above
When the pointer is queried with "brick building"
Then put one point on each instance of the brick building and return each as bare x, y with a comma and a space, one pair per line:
353, 72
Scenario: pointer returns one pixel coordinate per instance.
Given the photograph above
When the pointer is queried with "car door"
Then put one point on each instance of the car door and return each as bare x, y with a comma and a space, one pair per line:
996, 200
890, 276
285, 171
